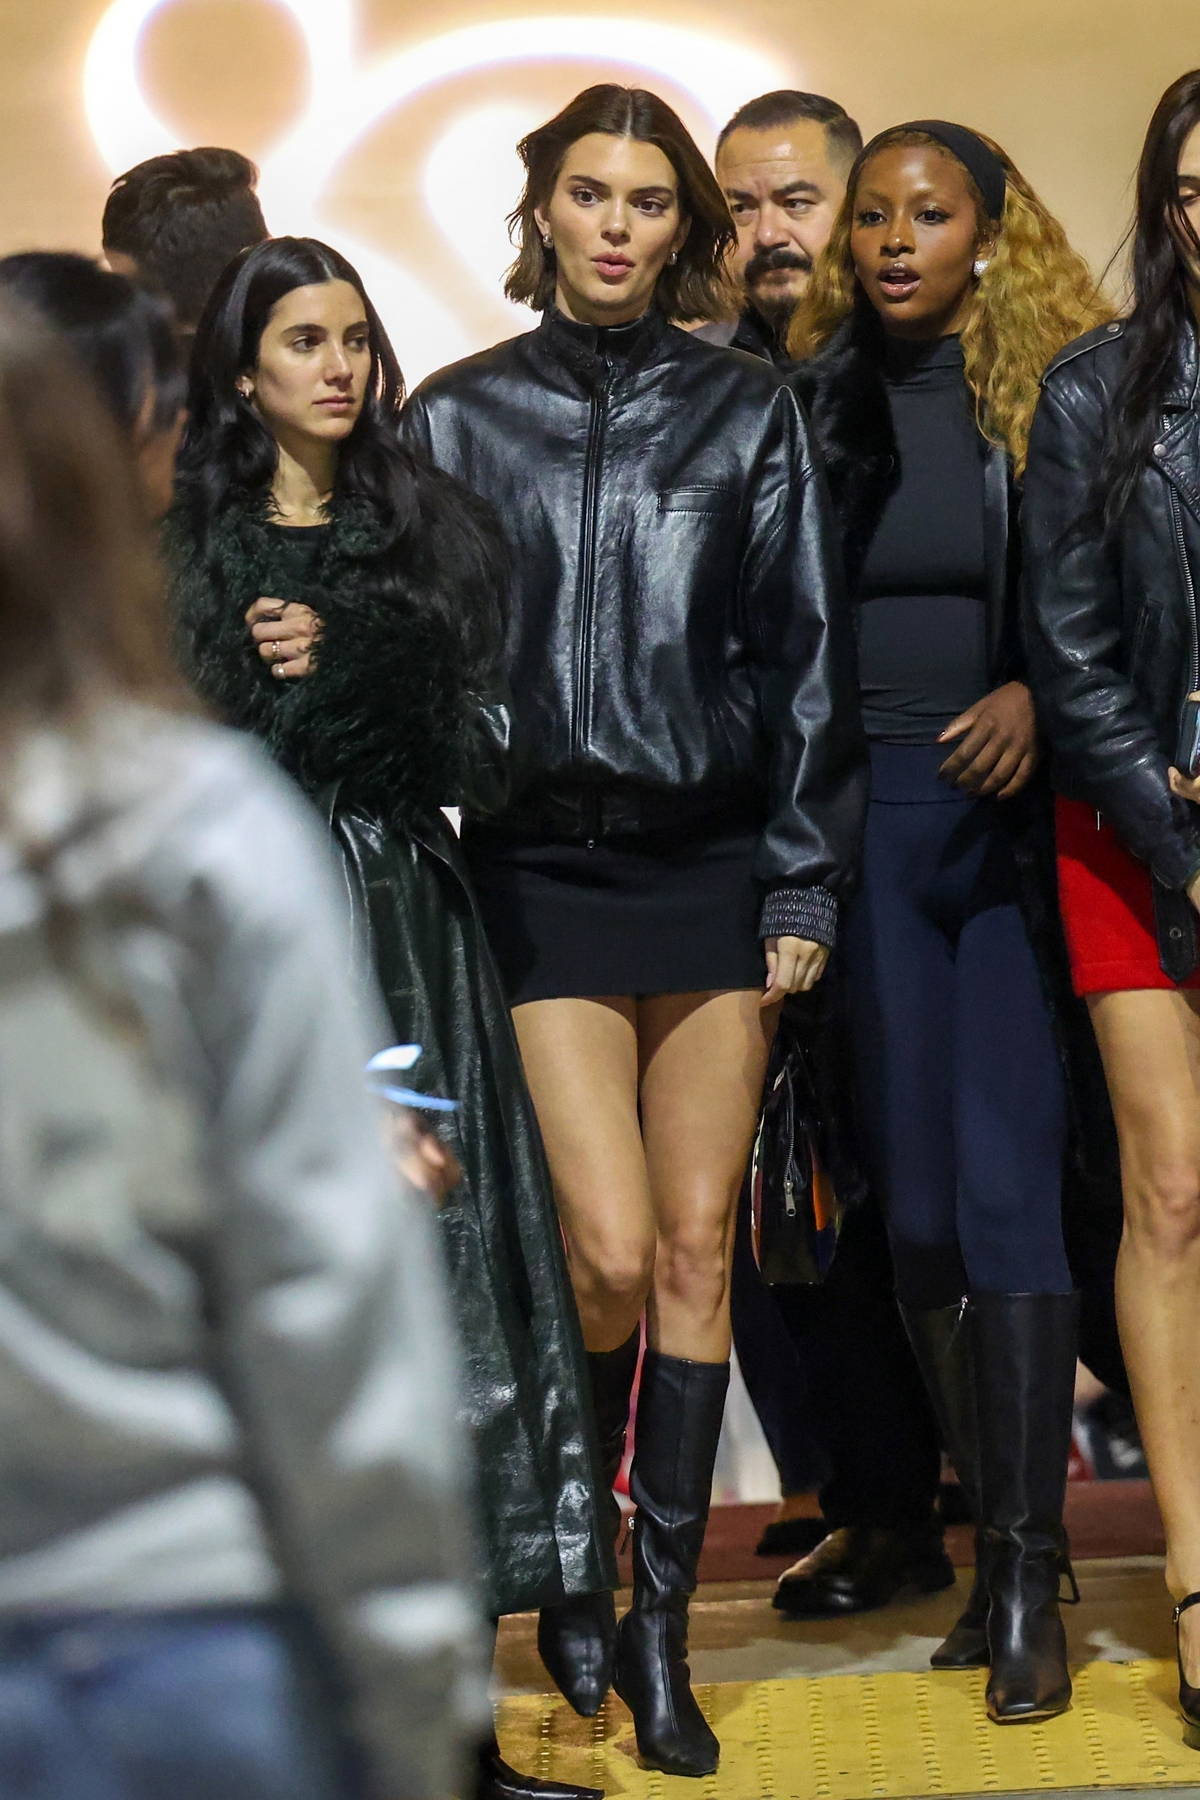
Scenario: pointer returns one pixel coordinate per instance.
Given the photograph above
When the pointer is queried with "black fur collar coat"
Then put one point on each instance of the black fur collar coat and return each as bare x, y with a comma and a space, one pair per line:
387, 713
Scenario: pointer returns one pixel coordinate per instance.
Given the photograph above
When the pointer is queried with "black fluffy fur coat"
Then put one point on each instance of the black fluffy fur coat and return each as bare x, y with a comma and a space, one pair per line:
383, 733
844, 393
388, 712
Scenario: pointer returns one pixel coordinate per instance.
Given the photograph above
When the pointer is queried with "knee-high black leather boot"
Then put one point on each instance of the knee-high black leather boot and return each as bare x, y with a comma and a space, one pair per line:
941, 1339
577, 1638
680, 1407
1024, 1350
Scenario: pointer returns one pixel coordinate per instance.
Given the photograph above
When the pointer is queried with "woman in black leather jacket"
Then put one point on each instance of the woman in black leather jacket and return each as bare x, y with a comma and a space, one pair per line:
341, 599
691, 800
945, 288
1112, 540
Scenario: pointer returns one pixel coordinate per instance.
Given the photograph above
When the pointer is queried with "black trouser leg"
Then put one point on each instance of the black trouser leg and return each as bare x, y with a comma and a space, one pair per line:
874, 1419
680, 1406
577, 1637
775, 1377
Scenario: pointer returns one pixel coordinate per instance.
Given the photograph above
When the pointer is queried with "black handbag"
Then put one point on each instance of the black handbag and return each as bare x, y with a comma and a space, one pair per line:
804, 1173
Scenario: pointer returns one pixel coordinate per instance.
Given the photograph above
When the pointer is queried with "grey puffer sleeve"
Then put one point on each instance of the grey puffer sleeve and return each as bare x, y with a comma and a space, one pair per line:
332, 1325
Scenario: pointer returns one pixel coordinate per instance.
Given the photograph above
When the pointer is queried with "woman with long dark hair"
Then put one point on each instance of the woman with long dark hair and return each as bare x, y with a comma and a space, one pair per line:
342, 599
945, 289
232, 1492
690, 808
1112, 537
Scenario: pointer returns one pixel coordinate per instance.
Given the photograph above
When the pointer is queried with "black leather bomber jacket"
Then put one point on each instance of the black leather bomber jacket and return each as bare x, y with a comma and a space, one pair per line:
678, 645
1112, 631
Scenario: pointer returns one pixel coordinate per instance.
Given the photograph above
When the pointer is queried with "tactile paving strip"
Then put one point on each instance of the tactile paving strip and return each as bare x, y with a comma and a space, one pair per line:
877, 1737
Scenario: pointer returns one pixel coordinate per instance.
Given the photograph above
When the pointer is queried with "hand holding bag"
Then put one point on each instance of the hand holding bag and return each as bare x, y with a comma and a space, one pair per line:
803, 1171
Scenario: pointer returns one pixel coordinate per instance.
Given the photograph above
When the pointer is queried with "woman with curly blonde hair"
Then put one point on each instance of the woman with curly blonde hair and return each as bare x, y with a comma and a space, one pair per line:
945, 290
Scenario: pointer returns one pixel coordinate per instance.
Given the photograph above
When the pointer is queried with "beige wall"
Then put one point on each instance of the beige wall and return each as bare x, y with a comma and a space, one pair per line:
406, 158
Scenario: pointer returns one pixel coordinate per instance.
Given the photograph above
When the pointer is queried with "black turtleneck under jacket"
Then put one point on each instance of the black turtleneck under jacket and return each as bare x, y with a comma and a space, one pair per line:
678, 630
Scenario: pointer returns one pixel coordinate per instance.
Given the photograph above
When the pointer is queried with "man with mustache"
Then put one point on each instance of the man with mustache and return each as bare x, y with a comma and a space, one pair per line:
782, 161
829, 1365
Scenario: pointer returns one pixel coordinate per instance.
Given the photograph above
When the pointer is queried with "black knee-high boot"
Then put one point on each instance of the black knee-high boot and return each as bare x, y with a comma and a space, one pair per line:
577, 1638
680, 1407
941, 1339
1024, 1350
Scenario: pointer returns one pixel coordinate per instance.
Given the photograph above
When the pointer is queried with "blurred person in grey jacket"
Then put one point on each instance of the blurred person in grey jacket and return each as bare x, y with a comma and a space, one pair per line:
231, 1486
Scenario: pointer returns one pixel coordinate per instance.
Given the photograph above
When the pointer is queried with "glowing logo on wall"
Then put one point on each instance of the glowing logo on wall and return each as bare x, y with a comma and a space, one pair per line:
347, 99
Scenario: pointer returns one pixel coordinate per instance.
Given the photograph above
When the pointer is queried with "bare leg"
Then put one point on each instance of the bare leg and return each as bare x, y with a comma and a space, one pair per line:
703, 1059
1150, 1042
581, 1061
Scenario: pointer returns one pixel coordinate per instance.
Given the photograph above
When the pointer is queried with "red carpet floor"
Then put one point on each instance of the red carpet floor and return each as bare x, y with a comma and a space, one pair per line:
1104, 1518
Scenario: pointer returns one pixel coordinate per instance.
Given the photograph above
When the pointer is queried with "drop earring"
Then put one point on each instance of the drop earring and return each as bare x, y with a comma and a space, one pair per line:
548, 242
673, 258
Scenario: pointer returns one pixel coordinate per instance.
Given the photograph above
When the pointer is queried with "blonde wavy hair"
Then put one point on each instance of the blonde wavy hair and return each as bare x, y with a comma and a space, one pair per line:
1034, 297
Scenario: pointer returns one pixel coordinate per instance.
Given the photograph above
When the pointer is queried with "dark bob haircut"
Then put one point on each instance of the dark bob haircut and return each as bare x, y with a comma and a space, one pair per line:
696, 286
123, 336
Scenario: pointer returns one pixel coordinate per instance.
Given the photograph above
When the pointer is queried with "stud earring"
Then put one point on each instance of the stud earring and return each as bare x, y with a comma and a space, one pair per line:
673, 258
978, 266
548, 242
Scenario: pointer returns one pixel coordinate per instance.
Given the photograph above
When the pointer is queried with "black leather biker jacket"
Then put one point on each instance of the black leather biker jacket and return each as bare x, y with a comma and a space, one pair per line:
1112, 631
679, 646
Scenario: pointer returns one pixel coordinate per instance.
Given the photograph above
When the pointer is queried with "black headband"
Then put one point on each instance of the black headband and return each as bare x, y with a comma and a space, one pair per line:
980, 162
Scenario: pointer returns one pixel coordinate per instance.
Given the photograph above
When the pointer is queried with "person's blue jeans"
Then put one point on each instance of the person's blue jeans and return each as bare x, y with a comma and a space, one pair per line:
204, 1705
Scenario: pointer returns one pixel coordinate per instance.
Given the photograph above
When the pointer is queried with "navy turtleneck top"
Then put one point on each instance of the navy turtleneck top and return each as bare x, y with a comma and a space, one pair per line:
922, 615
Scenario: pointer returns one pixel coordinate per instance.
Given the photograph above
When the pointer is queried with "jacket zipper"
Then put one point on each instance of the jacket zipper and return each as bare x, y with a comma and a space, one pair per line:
597, 413
1185, 570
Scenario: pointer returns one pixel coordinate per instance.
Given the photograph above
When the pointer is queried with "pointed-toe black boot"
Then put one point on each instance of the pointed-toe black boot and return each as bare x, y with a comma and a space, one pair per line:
496, 1781
1024, 1348
577, 1638
680, 1407
941, 1339
1189, 1696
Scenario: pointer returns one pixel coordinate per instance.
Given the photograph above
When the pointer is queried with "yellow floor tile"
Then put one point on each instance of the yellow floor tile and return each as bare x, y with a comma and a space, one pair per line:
892, 1736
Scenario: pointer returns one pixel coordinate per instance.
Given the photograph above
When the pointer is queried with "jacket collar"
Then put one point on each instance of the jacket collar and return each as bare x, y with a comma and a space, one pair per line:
754, 335
590, 349
1185, 373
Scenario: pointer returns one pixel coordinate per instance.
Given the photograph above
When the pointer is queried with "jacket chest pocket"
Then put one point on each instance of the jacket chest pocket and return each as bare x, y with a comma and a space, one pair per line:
710, 500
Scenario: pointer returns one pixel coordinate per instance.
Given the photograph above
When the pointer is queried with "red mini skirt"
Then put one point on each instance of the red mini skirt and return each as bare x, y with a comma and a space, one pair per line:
1107, 907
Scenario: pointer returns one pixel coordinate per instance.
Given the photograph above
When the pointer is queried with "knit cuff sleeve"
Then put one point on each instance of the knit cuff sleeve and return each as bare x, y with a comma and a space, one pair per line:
806, 912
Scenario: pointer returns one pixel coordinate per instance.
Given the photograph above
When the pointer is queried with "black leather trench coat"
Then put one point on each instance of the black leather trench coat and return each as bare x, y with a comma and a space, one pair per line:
342, 731
413, 909
1112, 625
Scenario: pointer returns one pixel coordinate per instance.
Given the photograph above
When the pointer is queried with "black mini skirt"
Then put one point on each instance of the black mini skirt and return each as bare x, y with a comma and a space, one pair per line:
672, 912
